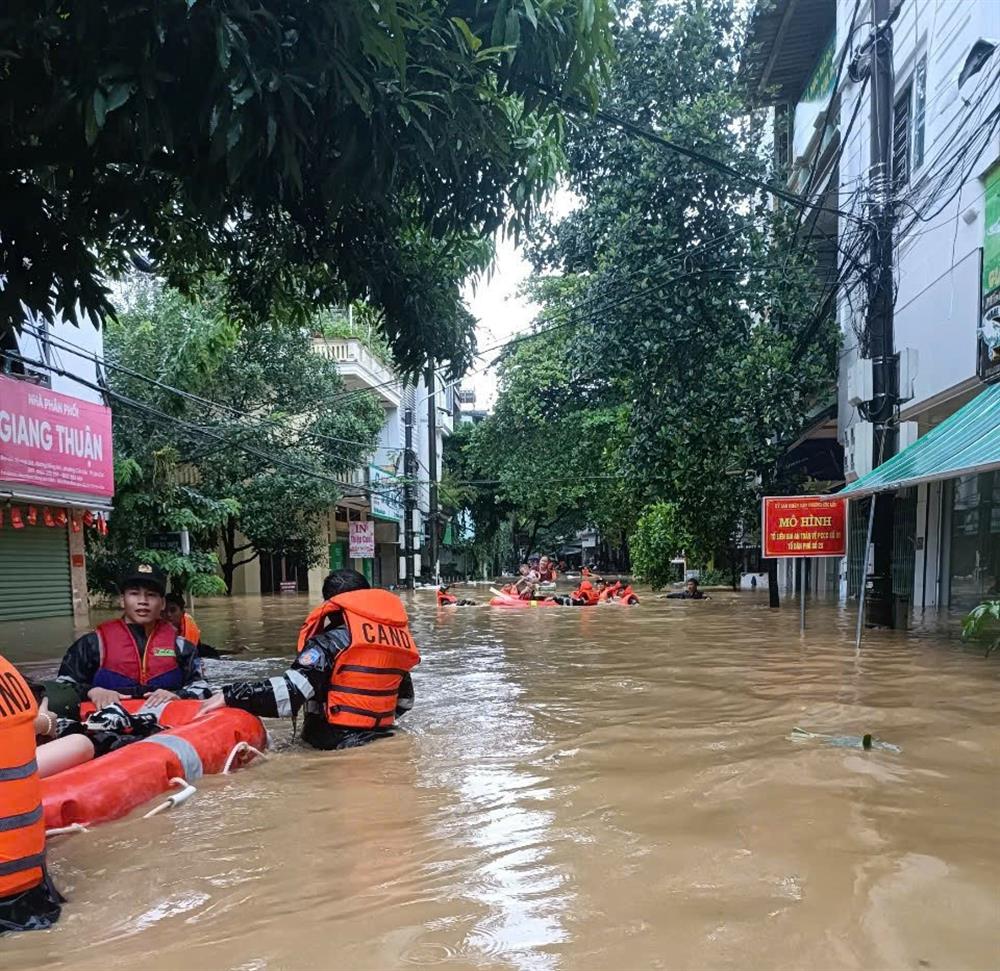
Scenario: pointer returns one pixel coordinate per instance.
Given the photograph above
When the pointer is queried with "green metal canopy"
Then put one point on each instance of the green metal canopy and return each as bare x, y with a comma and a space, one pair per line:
967, 442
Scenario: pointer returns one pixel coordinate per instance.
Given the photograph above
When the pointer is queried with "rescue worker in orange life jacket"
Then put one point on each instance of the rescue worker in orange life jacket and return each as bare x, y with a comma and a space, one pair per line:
446, 599
352, 674
139, 654
28, 901
175, 611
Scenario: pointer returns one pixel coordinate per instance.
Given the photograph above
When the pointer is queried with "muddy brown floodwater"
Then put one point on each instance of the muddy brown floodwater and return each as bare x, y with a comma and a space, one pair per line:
577, 789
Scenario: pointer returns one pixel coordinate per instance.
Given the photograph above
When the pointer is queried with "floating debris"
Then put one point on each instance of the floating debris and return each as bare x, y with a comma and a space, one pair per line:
866, 742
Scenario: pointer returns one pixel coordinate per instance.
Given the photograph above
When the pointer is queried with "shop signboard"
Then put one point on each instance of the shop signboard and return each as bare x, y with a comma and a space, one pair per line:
804, 526
989, 324
54, 441
362, 540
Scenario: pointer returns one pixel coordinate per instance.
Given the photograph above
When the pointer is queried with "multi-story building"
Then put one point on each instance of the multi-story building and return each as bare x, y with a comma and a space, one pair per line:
373, 492
56, 471
943, 181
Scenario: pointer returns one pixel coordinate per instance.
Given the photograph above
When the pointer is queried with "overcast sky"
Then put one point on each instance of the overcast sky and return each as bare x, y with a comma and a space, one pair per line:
495, 303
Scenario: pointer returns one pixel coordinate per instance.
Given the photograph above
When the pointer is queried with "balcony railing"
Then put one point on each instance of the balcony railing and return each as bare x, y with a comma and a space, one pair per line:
360, 368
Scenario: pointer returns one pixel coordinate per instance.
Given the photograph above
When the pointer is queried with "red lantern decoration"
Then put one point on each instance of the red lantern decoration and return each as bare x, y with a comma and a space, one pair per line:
61, 518
74, 523
47, 516
32, 515
15, 518
102, 525
88, 518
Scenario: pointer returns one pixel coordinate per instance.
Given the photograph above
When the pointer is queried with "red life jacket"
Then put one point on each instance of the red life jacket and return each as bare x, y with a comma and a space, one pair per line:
627, 595
446, 598
125, 670
190, 631
22, 822
364, 685
586, 592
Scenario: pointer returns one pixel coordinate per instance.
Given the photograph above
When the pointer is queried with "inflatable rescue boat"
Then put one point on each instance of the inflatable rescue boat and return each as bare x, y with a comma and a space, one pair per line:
113, 785
503, 600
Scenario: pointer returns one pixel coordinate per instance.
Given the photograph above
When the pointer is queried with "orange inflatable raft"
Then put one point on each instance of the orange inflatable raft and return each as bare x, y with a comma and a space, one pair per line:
506, 601
115, 784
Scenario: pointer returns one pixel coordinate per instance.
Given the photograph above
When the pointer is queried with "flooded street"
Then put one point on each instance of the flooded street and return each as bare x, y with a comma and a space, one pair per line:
575, 789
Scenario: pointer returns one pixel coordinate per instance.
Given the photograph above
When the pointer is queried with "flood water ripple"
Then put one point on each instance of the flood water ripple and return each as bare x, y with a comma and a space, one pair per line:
575, 789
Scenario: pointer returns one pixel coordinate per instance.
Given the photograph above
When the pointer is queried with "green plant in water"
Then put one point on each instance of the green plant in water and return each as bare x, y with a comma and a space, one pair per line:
982, 624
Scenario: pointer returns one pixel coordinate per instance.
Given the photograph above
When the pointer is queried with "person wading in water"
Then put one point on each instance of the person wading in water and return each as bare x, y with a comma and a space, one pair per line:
352, 674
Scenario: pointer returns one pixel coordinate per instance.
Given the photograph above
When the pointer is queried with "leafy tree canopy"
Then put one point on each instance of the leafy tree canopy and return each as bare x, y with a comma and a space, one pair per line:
694, 296
310, 153
251, 475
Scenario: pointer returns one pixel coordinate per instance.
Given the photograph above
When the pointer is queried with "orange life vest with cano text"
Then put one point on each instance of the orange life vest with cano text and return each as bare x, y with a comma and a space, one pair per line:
22, 822
364, 685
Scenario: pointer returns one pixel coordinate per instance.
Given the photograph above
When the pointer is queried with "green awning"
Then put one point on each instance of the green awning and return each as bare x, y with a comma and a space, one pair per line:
967, 442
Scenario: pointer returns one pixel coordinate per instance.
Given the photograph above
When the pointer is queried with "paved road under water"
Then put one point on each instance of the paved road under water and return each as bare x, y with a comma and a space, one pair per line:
577, 789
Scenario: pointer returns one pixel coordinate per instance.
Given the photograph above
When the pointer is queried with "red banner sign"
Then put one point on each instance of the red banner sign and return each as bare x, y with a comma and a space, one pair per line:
804, 526
54, 441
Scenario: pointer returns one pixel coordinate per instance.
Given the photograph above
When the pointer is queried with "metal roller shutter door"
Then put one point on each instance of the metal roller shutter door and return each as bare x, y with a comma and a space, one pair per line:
34, 573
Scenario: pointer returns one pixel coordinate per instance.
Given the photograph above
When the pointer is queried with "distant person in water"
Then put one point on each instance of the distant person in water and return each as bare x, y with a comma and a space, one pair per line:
690, 592
175, 611
447, 599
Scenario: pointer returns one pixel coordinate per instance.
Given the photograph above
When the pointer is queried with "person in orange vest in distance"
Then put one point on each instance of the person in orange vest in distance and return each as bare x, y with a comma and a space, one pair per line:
610, 591
627, 595
584, 595
352, 674
138, 655
446, 599
176, 612
28, 900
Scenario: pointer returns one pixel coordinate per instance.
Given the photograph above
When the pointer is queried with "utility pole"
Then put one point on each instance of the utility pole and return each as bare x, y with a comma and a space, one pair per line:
879, 323
432, 460
409, 469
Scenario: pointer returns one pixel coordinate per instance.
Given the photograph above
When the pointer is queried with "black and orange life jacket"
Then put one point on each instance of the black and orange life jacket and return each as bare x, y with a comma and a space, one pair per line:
364, 685
22, 822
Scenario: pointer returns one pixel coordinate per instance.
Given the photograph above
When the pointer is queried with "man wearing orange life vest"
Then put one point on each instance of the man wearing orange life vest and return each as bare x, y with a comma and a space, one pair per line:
139, 654
352, 674
28, 901
175, 611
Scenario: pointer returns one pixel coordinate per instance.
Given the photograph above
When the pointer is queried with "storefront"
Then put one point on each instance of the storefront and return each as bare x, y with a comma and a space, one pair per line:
56, 482
946, 536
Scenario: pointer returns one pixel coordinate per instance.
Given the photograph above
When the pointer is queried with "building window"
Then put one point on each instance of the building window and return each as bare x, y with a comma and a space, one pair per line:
782, 137
908, 123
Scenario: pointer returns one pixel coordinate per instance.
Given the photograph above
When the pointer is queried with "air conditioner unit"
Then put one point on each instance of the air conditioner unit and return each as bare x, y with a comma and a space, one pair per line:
858, 444
859, 382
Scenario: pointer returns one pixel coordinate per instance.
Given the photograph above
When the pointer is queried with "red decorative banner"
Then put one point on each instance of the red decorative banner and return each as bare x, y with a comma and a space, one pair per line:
804, 526
54, 441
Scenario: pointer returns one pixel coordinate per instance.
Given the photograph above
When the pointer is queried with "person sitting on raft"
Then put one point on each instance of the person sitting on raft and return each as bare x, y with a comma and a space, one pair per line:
446, 599
690, 592
176, 612
546, 572
139, 655
352, 673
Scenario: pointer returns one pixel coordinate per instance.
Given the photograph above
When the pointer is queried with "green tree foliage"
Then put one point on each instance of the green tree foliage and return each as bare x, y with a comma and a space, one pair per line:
308, 152
249, 477
694, 301
659, 537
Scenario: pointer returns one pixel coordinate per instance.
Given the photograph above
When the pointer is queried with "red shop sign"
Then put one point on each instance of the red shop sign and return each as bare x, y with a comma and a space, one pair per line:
54, 441
804, 526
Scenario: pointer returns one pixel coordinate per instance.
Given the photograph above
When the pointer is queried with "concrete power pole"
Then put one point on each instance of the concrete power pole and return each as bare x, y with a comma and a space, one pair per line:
432, 461
879, 323
409, 469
